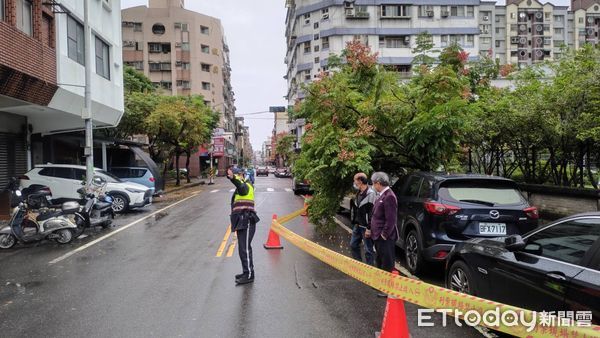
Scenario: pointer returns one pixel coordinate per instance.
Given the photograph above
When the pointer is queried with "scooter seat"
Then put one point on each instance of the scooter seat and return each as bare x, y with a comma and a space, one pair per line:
102, 205
48, 215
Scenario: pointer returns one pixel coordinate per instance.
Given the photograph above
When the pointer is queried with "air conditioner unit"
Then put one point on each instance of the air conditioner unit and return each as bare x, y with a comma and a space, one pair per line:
430, 14
445, 14
349, 4
407, 39
486, 18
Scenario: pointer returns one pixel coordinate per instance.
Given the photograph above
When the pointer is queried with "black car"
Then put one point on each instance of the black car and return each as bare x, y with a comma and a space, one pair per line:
553, 268
301, 187
436, 211
262, 171
283, 173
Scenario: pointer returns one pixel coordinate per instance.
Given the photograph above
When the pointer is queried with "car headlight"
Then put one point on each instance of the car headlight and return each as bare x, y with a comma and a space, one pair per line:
135, 191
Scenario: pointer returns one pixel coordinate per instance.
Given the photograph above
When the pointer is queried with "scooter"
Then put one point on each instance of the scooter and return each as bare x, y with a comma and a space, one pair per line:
97, 208
28, 225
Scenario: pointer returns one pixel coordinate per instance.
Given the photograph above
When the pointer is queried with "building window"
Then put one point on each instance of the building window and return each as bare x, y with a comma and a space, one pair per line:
580, 20
186, 65
394, 41
426, 11
316, 25
395, 11
457, 10
470, 11
470, 40
185, 46
137, 26
513, 15
307, 19
513, 28
158, 29
558, 18
2, 10
325, 43
204, 30
547, 15
307, 75
316, 37
444, 40
24, 16
317, 48
102, 59
205, 67
325, 14
206, 85
497, 30
205, 49
154, 66
484, 41
75, 40
558, 31
307, 47
497, 43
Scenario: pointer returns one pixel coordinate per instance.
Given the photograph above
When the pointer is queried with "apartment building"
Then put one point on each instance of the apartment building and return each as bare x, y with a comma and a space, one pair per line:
183, 53
521, 32
42, 76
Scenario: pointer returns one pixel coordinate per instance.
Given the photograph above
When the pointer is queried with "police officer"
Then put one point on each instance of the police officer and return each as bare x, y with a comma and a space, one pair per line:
243, 222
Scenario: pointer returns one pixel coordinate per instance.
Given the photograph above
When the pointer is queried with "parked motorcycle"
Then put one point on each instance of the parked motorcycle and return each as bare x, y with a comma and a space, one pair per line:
29, 224
97, 206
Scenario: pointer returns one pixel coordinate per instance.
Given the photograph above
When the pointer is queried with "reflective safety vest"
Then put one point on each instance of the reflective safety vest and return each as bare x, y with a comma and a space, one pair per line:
245, 202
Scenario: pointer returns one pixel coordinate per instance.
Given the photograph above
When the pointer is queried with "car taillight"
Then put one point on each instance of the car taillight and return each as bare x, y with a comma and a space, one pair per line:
440, 209
152, 179
24, 177
532, 212
440, 254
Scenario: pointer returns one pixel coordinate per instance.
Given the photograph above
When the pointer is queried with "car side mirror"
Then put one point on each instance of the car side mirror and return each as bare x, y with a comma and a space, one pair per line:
514, 243
533, 248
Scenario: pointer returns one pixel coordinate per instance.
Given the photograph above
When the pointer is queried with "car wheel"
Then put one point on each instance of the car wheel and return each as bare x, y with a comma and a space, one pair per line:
120, 203
413, 253
7, 241
65, 236
460, 279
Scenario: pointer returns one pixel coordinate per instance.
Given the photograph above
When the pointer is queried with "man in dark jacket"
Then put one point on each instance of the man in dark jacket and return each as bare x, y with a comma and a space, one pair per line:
243, 222
363, 205
383, 222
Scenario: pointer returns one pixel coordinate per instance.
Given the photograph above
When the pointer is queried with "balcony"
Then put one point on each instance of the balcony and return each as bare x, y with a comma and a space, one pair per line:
357, 15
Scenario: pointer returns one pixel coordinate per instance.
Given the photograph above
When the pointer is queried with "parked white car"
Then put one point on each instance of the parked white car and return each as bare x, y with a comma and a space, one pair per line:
65, 179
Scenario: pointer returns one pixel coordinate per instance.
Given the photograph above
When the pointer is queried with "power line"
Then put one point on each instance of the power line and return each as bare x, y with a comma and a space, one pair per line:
255, 113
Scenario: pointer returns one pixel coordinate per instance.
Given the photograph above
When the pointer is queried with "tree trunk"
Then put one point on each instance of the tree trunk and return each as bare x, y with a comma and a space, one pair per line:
187, 165
177, 180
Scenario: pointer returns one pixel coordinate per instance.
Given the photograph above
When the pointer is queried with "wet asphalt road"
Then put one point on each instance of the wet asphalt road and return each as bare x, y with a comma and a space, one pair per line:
162, 277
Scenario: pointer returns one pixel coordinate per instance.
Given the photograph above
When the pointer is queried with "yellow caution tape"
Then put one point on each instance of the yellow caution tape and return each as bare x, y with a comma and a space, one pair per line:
424, 294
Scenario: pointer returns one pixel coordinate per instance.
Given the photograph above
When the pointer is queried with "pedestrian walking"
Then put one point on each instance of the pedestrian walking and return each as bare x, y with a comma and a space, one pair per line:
383, 223
243, 222
363, 202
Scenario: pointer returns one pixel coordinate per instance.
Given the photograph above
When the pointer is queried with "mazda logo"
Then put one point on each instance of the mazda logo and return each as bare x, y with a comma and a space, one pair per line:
494, 214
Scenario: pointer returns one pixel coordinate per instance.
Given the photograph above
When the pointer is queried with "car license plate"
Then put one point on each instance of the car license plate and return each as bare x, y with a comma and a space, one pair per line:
492, 228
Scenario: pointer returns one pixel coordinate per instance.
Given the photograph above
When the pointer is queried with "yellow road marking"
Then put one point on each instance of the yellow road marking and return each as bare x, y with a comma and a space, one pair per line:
232, 246
224, 242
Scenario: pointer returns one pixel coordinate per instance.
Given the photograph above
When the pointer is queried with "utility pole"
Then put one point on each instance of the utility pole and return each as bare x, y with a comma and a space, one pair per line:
87, 108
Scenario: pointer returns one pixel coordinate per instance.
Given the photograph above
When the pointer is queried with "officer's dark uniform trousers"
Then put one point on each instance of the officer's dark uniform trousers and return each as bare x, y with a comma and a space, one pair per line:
243, 222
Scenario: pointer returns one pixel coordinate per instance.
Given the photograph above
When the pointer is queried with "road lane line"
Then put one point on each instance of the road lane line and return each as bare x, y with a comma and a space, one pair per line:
214, 191
232, 246
224, 242
232, 190
270, 189
98, 240
288, 189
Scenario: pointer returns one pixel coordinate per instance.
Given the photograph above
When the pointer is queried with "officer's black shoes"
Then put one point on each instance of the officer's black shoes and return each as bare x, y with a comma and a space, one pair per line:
239, 276
244, 279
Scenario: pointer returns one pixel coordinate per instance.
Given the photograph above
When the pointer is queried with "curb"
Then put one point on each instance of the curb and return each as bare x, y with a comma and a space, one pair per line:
190, 185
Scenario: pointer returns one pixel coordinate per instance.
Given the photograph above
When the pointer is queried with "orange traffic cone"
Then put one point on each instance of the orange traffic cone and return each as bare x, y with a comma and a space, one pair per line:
273, 240
394, 320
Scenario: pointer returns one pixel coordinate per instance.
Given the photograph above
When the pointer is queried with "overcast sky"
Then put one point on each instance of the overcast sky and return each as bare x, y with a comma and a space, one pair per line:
255, 33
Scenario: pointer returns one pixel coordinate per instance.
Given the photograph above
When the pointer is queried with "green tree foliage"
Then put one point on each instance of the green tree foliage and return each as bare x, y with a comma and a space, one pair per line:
423, 50
134, 81
178, 125
362, 119
285, 149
